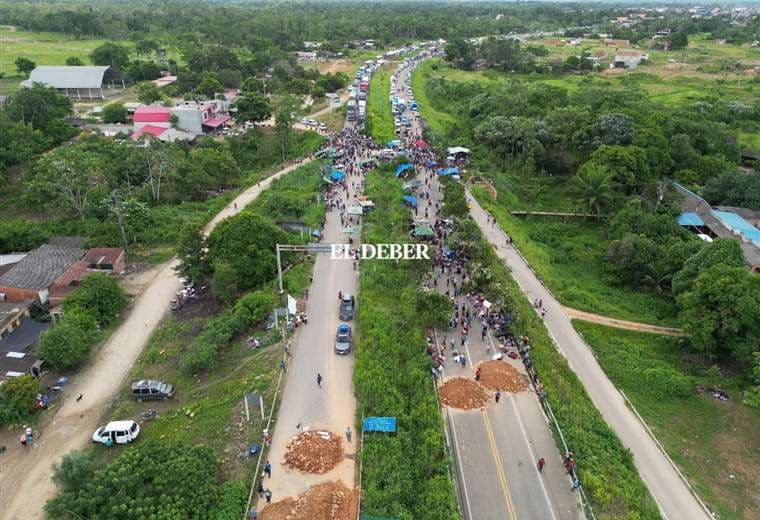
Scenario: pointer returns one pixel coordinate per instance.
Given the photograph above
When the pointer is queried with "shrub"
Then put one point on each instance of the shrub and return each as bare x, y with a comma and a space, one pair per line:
17, 396
231, 500
68, 343
100, 296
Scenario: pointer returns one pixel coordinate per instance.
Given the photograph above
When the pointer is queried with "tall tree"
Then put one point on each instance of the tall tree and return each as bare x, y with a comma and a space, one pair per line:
70, 177
25, 66
283, 121
252, 106
111, 54
593, 187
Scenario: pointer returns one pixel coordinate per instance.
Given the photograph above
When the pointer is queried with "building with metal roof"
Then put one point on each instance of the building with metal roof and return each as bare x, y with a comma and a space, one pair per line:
87, 81
32, 277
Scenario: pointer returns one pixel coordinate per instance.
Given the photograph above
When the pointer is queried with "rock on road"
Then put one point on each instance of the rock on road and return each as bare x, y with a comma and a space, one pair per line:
25, 482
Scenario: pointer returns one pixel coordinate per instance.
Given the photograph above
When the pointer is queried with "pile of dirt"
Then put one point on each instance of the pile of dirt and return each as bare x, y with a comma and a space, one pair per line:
328, 501
463, 393
500, 375
316, 451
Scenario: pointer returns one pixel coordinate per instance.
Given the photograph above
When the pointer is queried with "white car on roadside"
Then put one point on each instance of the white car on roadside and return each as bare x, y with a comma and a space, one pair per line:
116, 432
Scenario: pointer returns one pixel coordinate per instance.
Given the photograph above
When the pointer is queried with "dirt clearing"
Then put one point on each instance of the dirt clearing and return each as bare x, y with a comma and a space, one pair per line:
463, 393
328, 501
317, 451
500, 375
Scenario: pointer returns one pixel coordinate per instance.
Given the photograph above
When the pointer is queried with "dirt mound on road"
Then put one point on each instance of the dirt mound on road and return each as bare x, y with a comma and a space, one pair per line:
500, 375
317, 451
328, 501
463, 393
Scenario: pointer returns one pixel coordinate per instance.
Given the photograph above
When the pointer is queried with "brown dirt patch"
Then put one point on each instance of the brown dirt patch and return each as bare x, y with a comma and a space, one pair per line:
500, 375
316, 451
328, 501
463, 393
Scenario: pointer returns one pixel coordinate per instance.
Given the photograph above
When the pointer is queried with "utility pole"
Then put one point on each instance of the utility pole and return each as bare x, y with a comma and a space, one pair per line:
116, 200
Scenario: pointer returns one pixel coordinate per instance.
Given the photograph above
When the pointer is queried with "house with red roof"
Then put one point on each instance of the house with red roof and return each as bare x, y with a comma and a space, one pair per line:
152, 115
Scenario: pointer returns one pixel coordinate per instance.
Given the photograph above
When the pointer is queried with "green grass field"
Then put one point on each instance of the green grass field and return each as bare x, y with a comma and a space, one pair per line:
379, 122
437, 121
715, 443
568, 256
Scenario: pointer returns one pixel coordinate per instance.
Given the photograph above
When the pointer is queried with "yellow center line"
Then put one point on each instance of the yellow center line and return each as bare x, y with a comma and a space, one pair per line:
499, 467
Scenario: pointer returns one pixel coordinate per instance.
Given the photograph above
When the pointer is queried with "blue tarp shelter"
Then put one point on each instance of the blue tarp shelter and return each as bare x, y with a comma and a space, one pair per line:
394, 143
689, 219
337, 175
401, 168
430, 164
448, 171
411, 200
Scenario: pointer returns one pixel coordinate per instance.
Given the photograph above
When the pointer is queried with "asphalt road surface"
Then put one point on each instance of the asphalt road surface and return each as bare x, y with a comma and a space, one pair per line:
496, 450
670, 492
25, 482
305, 406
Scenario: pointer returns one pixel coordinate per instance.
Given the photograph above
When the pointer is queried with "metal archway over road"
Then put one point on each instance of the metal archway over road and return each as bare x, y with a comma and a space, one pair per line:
315, 248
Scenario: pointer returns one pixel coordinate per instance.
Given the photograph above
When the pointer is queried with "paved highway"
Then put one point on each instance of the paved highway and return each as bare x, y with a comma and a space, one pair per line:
496, 449
669, 490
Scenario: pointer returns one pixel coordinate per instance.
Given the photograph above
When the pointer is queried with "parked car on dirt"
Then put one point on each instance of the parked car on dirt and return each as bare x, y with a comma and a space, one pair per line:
343, 339
148, 390
347, 304
116, 432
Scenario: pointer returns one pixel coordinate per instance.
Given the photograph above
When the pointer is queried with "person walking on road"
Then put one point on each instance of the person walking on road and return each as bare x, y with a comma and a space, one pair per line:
541, 464
348, 434
497, 396
319, 380
268, 495
477, 374
268, 469
282, 365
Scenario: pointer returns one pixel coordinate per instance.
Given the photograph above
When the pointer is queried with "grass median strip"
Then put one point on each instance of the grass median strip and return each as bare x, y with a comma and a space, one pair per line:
379, 122
404, 475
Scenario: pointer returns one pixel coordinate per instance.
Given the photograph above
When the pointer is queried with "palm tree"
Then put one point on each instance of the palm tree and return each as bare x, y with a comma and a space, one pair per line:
593, 187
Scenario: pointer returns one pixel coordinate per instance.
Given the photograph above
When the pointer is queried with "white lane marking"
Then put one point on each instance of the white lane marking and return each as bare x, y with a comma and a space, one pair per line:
461, 469
532, 455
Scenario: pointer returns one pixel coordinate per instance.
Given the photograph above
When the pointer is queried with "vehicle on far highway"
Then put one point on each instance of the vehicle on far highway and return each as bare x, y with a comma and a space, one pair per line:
347, 304
343, 339
116, 432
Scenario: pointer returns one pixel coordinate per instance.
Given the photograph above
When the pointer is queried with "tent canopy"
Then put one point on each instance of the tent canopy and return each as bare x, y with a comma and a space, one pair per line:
366, 204
372, 160
337, 175
420, 143
448, 171
423, 231
401, 168
411, 200
352, 230
355, 210
430, 164
454, 150
394, 143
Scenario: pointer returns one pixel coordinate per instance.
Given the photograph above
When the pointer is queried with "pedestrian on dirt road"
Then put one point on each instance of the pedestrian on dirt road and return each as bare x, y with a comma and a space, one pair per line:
477, 374
348, 434
252, 514
541, 464
497, 396
282, 365
268, 495
268, 469
261, 489
576, 483
319, 380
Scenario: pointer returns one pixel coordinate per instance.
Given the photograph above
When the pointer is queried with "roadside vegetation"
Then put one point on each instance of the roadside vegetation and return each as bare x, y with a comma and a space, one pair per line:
714, 441
605, 467
404, 475
379, 124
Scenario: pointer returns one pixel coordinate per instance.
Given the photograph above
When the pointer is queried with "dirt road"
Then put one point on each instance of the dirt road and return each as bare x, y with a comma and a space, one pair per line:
575, 314
25, 482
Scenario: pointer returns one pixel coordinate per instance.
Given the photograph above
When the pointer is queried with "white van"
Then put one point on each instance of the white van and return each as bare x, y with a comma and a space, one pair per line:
116, 432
